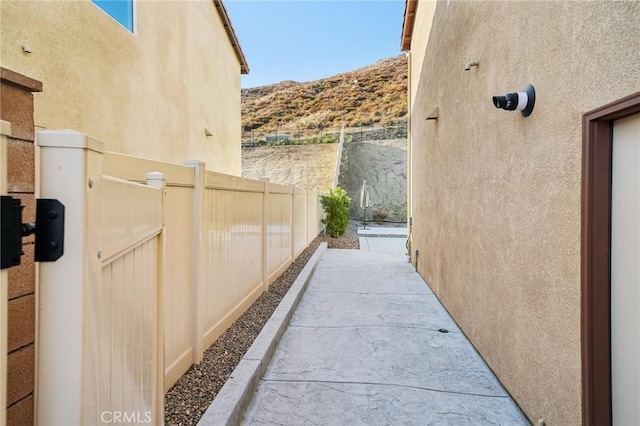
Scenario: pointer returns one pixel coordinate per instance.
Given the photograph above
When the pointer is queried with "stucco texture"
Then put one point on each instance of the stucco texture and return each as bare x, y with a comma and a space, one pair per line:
150, 94
496, 197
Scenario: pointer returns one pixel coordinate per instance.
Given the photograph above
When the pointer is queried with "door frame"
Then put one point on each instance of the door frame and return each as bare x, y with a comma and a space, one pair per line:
597, 144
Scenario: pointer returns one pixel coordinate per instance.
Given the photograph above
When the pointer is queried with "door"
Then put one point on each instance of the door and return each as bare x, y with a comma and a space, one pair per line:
609, 263
625, 272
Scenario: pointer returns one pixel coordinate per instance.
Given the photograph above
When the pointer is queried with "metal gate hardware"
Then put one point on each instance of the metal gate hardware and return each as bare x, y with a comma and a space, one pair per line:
49, 231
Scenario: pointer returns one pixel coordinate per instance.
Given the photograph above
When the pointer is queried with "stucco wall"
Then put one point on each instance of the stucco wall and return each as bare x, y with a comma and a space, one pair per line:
423, 19
496, 196
149, 94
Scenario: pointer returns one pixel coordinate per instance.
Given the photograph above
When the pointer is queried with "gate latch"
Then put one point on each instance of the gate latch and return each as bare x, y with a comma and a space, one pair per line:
48, 228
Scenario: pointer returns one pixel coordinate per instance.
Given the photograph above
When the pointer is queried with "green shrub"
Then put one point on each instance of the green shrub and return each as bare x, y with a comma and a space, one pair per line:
336, 208
329, 139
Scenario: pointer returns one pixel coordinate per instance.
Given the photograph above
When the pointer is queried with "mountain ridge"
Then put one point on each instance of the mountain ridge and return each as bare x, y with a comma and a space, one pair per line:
373, 95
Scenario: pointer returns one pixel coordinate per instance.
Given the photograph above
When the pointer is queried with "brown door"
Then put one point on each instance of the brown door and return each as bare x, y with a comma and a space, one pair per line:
610, 271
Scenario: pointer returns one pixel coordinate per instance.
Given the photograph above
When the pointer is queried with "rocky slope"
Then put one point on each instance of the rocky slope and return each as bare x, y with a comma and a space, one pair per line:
383, 164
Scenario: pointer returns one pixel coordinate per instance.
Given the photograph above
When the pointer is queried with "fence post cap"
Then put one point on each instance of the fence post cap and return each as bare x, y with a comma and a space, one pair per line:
156, 179
155, 176
68, 139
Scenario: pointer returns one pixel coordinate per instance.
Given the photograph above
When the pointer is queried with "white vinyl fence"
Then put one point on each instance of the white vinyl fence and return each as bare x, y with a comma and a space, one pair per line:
5, 131
159, 260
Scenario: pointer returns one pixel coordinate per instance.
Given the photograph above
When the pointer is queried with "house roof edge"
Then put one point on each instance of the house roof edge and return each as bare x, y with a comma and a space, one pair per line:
410, 7
226, 22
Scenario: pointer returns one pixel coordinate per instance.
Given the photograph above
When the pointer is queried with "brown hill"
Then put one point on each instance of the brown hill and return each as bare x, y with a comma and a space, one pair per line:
376, 94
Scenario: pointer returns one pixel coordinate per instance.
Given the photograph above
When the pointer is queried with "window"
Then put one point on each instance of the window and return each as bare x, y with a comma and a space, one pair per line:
120, 10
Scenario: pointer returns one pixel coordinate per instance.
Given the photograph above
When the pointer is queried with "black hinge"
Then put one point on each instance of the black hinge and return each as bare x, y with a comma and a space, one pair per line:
49, 230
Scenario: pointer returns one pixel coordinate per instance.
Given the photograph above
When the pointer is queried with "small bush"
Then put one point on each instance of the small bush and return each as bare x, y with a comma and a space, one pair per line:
336, 208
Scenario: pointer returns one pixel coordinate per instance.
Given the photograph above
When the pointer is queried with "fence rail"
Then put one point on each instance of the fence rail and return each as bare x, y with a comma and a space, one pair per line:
159, 260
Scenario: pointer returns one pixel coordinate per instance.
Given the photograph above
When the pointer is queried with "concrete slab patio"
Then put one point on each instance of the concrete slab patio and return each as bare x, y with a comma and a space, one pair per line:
369, 343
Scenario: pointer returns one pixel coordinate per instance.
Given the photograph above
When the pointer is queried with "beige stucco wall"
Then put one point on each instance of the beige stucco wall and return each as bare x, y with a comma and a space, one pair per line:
423, 20
496, 197
149, 94
424, 12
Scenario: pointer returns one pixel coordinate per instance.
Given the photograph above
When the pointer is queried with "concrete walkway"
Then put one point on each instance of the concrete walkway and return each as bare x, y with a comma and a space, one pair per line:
364, 347
383, 230
383, 239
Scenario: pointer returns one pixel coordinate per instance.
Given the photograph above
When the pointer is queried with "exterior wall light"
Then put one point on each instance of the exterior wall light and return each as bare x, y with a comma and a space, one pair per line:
520, 101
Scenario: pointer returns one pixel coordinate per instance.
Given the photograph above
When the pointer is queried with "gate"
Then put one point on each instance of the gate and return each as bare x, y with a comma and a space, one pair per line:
100, 325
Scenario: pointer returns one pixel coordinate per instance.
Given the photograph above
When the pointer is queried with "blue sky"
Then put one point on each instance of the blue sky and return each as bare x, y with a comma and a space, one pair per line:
304, 40
120, 10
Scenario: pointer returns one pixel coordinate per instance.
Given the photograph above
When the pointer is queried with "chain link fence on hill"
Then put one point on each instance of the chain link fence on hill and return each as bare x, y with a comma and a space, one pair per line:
300, 136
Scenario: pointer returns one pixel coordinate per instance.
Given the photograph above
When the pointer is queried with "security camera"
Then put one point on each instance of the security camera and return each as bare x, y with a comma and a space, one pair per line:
520, 101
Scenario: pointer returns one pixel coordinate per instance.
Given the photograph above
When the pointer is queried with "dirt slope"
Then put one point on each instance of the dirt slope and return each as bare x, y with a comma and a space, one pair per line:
376, 94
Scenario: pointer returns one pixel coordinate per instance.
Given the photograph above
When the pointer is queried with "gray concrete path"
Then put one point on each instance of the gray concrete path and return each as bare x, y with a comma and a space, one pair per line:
394, 241
391, 245
363, 347
382, 230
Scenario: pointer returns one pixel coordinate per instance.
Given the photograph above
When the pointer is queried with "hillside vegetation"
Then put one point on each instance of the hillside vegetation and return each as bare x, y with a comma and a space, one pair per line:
376, 94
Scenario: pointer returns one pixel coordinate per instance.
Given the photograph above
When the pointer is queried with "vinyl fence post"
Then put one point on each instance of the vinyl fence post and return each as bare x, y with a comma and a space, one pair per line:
199, 260
157, 180
293, 223
71, 171
265, 233
306, 217
5, 131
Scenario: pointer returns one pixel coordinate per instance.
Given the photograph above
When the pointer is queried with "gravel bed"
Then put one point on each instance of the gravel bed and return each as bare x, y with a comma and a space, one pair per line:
190, 397
349, 240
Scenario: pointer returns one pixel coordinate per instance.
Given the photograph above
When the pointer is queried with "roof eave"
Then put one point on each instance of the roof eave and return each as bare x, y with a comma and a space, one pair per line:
226, 22
407, 25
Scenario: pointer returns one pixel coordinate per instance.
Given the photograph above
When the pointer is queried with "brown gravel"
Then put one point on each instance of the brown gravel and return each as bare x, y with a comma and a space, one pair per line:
347, 241
190, 397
